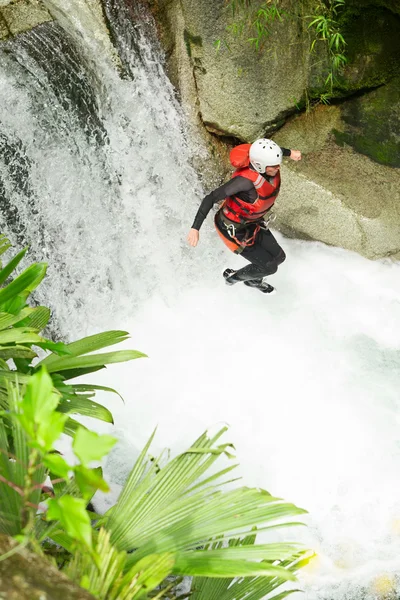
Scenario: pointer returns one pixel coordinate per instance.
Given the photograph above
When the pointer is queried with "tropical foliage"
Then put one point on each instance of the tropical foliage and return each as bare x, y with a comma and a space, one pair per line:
171, 519
174, 518
326, 28
21, 339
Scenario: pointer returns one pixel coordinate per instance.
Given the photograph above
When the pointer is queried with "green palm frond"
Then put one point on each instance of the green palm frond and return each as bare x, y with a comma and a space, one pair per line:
5, 244
84, 405
7, 319
105, 577
22, 285
173, 509
67, 363
38, 318
80, 361
247, 588
9, 268
91, 344
20, 328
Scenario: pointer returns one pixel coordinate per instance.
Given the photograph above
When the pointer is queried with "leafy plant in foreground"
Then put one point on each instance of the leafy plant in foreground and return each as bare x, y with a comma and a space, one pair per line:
171, 519
181, 512
20, 327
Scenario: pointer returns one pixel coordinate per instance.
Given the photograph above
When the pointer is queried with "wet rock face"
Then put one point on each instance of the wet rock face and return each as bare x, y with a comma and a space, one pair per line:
26, 576
240, 92
244, 93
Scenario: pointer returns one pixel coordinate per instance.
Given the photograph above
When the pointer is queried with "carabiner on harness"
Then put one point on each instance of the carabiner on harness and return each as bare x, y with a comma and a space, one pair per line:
268, 221
248, 239
231, 230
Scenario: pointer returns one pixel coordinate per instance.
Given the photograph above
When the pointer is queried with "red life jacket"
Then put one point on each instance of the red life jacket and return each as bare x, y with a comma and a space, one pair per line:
239, 211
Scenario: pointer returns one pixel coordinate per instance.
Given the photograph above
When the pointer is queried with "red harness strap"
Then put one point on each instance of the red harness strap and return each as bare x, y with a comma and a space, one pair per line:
237, 246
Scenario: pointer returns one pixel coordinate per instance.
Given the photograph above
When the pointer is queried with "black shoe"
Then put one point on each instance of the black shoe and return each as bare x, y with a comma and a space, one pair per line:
261, 285
229, 276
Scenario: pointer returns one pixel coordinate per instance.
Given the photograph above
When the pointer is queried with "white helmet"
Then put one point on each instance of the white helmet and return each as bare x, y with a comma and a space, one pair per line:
264, 153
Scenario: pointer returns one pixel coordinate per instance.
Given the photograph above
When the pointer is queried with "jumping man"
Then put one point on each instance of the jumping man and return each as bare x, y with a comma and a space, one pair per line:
243, 220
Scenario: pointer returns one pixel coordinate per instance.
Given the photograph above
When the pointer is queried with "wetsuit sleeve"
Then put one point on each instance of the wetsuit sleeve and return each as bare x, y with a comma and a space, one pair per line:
286, 151
230, 188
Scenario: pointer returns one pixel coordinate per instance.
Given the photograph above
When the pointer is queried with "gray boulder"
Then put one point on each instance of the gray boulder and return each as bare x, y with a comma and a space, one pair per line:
336, 195
27, 576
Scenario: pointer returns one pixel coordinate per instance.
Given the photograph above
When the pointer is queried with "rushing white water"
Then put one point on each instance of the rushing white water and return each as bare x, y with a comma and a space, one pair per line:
307, 379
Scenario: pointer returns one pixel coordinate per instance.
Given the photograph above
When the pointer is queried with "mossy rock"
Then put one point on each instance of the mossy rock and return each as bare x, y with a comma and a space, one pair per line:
24, 15
371, 124
4, 31
27, 576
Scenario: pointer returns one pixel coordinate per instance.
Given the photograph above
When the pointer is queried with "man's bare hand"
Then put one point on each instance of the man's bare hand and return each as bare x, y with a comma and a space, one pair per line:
193, 237
295, 154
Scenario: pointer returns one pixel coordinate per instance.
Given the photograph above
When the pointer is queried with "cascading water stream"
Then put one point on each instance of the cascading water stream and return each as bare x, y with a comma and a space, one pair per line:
95, 174
105, 165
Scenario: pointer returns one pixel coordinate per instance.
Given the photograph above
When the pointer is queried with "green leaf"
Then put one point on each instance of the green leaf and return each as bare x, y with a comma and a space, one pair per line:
49, 431
149, 572
89, 446
71, 512
57, 347
7, 352
57, 465
19, 335
73, 373
15, 304
91, 344
237, 561
9, 268
14, 441
176, 508
189, 565
39, 317
105, 578
23, 365
39, 401
62, 539
13, 376
72, 426
36, 412
249, 588
86, 407
89, 481
92, 360
28, 280
88, 387
5, 243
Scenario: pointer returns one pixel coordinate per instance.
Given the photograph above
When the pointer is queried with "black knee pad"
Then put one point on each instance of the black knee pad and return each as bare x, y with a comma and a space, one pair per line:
280, 258
271, 268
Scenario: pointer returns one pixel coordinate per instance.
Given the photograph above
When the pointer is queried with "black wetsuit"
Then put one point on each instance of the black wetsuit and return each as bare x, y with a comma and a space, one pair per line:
265, 255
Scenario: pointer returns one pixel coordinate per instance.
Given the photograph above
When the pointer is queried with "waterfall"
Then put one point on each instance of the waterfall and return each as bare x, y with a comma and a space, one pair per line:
96, 176
103, 169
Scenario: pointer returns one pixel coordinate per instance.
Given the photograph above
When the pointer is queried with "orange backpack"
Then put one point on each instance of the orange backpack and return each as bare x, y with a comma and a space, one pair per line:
239, 156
